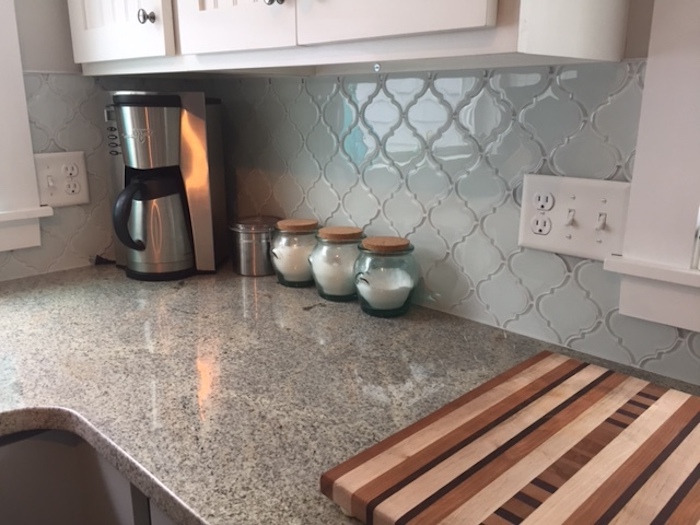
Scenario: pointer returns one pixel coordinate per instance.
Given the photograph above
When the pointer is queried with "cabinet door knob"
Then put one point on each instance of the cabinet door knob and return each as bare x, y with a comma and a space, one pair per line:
269, 2
280, 2
144, 17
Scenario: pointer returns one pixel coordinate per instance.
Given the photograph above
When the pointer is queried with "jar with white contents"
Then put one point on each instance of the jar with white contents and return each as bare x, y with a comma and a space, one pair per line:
386, 274
292, 243
333, 260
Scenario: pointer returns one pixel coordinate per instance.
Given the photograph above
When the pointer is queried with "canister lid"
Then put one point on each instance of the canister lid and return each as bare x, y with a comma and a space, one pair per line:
258, 224
297, 225
340, 233
386, 244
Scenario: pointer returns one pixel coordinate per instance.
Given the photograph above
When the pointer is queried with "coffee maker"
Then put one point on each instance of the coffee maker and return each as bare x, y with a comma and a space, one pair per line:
169, 203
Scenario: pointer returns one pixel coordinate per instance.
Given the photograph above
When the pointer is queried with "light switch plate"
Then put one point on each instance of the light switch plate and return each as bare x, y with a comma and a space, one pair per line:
62, 178
586, 220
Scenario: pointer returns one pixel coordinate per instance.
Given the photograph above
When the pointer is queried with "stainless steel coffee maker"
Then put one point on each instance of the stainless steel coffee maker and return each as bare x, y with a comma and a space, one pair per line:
169, 213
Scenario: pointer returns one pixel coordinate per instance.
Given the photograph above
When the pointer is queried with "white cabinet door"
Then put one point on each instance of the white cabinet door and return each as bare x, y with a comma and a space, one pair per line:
206, 26
321, 21
111, 29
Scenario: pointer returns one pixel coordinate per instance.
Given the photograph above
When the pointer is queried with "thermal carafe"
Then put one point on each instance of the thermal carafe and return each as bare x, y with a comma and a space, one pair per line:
170, 212
150, 219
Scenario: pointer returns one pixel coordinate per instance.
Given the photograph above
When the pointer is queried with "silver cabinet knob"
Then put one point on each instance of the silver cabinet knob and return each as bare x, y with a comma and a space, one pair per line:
144, 17
269, 2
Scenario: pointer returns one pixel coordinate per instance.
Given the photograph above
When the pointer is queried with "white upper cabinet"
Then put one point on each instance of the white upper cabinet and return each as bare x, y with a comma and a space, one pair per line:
351, 36
323, 21
207, 26
121, 29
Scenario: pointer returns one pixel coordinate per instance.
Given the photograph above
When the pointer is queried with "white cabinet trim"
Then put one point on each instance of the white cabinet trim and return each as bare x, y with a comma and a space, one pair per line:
19, 195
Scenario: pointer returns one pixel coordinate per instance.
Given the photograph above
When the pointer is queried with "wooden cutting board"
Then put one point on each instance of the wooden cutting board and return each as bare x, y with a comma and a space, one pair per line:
553, 440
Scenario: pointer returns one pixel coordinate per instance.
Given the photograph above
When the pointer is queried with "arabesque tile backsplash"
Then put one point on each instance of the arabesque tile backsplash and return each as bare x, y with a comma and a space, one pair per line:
438, 158
66, 113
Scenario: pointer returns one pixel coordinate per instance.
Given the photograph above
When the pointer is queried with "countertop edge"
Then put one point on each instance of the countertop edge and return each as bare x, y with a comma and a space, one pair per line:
69, 420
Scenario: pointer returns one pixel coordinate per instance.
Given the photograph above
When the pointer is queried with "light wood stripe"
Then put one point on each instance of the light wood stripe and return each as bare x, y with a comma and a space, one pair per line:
499, 491
656, 492
346, 485
402, 501
586, 481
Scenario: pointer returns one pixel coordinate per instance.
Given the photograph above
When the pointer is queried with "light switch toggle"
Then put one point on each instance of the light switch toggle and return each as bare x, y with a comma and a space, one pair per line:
600, 223
570, 217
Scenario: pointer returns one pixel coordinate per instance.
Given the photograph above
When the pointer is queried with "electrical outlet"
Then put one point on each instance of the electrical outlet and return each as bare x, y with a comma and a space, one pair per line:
586, 217
62, 178
544, 201
541, 225
72, 188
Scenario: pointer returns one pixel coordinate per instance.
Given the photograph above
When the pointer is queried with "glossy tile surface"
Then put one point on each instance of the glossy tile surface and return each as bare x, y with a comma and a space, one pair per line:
234, 394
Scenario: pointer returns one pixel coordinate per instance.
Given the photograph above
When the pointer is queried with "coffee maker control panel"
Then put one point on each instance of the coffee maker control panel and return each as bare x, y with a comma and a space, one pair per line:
118, 173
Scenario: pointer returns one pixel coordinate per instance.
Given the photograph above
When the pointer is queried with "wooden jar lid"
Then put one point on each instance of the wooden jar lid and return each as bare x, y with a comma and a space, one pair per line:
386, 244
340, 233
297, 225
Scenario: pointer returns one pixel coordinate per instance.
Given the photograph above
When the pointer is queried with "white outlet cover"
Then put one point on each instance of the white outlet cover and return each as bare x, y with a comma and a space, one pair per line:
588, 199
57, 175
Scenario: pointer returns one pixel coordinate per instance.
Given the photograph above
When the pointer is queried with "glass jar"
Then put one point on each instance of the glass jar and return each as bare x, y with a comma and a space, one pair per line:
292, 243
333, 261
386, 274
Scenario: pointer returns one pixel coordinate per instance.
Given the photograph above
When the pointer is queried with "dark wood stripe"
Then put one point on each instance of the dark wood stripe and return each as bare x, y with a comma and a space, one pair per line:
617, 423
648, 396
388, 484
537, 482
536, 493
549, 417
613, 494
328, 478
638, 404
508, 516
517, 508
527, 499
627, 413
664, 516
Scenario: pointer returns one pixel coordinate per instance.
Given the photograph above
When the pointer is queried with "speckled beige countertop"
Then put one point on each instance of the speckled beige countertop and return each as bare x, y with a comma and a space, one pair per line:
224, 398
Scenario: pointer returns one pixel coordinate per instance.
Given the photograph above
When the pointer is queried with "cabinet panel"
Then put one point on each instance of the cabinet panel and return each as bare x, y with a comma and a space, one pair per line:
111, 30
206, 26
320, 21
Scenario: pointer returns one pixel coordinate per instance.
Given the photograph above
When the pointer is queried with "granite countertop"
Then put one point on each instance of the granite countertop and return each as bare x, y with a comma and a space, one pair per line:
224, 398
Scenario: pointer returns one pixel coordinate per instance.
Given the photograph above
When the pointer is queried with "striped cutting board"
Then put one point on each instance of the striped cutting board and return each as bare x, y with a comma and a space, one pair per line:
552, 440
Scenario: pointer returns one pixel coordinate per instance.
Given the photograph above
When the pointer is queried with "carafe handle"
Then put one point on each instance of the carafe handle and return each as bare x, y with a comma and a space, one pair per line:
120, 216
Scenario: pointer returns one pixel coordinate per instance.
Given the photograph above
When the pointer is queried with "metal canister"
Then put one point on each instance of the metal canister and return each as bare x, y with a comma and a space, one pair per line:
251, 245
